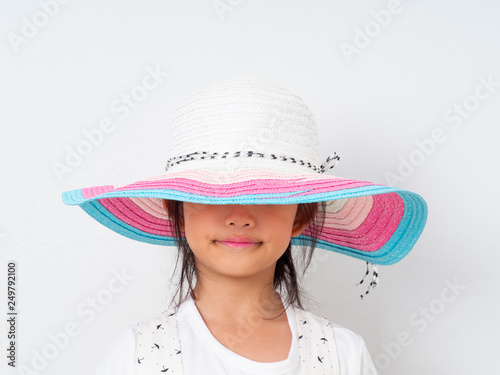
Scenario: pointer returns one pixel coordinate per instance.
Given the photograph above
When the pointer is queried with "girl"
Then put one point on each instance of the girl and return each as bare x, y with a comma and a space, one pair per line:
243, 184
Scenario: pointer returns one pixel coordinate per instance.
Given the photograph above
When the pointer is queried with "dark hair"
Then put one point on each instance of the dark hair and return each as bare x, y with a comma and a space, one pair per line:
285, 274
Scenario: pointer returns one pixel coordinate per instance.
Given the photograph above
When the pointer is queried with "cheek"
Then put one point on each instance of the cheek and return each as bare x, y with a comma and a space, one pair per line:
191, 232
283, 244
189, 225
191, 220
280, 231
197, 231
282, 223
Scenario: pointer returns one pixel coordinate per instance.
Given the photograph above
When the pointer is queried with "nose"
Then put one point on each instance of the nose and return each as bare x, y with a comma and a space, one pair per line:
239, 216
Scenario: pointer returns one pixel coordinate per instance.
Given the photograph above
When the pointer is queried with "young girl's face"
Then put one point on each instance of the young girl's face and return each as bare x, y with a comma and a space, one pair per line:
239, 240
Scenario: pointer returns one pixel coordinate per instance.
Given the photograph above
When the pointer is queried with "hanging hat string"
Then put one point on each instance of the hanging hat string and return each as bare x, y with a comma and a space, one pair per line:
374, 281
331, 161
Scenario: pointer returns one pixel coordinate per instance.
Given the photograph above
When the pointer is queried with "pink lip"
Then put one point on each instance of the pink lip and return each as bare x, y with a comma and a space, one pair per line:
238, 242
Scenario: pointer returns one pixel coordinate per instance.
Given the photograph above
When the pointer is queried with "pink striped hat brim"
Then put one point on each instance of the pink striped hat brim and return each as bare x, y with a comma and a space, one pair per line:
376, 223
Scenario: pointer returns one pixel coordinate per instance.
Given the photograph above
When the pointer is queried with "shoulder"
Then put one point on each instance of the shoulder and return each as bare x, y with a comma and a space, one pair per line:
157, 322
342, 335
353, 355
352, 351
120, 357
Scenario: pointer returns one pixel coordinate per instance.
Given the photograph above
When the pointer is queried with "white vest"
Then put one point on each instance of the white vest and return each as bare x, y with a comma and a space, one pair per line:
159, 349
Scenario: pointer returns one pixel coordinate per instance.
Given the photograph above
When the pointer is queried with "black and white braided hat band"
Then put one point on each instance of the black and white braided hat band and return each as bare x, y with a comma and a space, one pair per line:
331, 161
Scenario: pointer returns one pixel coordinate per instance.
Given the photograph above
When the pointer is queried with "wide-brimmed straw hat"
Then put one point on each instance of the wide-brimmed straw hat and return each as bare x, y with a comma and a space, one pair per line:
249, 141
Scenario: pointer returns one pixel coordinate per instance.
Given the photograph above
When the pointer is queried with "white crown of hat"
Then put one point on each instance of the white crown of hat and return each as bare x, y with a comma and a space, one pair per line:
242, 117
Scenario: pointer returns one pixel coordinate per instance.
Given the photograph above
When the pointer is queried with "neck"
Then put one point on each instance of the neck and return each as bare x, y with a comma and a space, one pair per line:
229, 298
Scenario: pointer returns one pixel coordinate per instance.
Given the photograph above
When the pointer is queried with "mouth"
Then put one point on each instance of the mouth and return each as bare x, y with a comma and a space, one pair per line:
238, 242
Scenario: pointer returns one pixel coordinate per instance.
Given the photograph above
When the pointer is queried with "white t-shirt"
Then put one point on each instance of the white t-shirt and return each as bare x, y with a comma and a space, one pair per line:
203, 354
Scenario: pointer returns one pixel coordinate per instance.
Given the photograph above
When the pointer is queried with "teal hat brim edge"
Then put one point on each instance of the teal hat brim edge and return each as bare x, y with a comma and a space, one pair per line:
396, 248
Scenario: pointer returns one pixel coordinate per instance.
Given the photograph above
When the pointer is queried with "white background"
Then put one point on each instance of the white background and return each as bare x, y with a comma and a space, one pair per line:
372, 106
